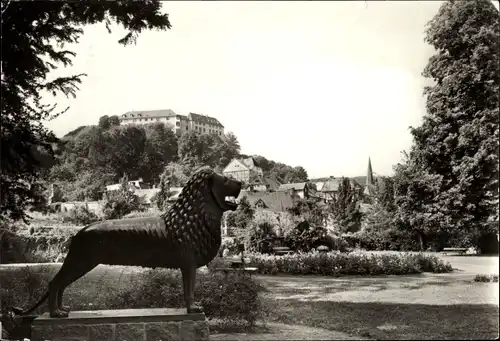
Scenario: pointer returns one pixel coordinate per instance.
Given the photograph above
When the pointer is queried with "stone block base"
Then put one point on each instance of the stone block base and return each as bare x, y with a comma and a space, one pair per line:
122, 325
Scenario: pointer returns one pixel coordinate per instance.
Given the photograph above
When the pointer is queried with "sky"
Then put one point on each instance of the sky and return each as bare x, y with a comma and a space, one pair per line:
323, 85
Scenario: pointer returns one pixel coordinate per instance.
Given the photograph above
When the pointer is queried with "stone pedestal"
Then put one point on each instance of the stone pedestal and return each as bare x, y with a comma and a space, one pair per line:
122, 325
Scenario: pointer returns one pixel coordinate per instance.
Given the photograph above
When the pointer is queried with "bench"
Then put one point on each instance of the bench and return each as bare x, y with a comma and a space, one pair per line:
459, 250
282, 252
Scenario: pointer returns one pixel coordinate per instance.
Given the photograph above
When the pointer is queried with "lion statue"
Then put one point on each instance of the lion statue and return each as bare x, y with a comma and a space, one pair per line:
186, 237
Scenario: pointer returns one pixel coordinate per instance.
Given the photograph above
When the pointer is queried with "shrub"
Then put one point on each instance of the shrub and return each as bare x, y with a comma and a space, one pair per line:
152, 212
230, 244
80, 215
354, 263
260, 237
334, 243
234, 299
35, 244
305, 236
486, 278
120, 203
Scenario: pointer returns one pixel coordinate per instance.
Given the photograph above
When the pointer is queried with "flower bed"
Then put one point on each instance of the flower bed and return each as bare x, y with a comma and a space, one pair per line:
353, 263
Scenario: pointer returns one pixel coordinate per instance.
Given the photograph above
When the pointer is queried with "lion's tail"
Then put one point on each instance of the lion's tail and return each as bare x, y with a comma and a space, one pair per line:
19, 311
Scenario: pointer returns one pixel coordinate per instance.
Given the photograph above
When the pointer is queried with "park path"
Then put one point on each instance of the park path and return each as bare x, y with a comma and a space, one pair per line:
279, 331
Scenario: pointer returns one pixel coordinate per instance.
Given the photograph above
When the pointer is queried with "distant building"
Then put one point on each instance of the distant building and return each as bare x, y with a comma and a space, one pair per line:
302, 189
180, 123
262, 184
274, 201
133, 184
243, 170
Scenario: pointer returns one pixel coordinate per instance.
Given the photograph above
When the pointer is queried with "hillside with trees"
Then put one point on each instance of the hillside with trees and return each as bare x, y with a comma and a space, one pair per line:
94, 156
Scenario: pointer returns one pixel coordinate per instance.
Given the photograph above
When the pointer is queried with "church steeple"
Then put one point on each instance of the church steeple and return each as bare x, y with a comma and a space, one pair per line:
369, 173
369, 185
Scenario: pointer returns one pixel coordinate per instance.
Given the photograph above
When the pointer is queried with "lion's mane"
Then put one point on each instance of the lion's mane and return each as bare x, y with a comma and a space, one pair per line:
191, 223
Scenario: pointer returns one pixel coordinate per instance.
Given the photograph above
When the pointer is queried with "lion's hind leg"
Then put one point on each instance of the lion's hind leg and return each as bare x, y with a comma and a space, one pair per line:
72, 269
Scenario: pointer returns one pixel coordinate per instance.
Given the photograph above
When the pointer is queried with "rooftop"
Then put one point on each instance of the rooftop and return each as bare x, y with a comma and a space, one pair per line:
274, 201
205, 119
299, 186
149, 113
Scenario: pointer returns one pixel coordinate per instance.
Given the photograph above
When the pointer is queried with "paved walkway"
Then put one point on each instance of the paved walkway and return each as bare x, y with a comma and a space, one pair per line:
278, 331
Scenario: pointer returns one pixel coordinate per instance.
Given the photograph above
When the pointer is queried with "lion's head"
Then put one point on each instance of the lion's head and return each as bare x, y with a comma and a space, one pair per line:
210, 187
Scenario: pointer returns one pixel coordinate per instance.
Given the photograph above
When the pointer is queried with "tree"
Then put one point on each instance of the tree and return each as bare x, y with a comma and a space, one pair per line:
228, 149
177, 174
29, 30
165, 192
414, 188
384, 193
114, 121
104, 122
160, 150
344, 207
121, 202
241, 219
296, 174
189, 147
126, 149
458, 141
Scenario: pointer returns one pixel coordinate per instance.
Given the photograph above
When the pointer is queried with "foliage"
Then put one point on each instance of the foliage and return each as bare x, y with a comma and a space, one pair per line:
344, 207
279, 171
311, 210
177, 174
354, 263
234, 298
80, 215
304, 236
241, 218
333, 242
34, 244
165, 193
208, 149
384, 193
486, 278
230, 244
261, 233
296, 174
121, 202
453, 166
34, 35
152, 212
106, 122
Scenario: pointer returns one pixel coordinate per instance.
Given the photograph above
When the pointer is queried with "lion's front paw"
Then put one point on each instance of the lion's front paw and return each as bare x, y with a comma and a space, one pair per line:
59, 313
195, 308
65, 308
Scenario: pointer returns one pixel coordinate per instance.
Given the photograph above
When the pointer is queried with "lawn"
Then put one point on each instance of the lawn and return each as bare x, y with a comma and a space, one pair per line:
426, 306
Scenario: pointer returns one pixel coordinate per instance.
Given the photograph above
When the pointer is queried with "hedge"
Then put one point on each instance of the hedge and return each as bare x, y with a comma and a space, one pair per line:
353, 263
